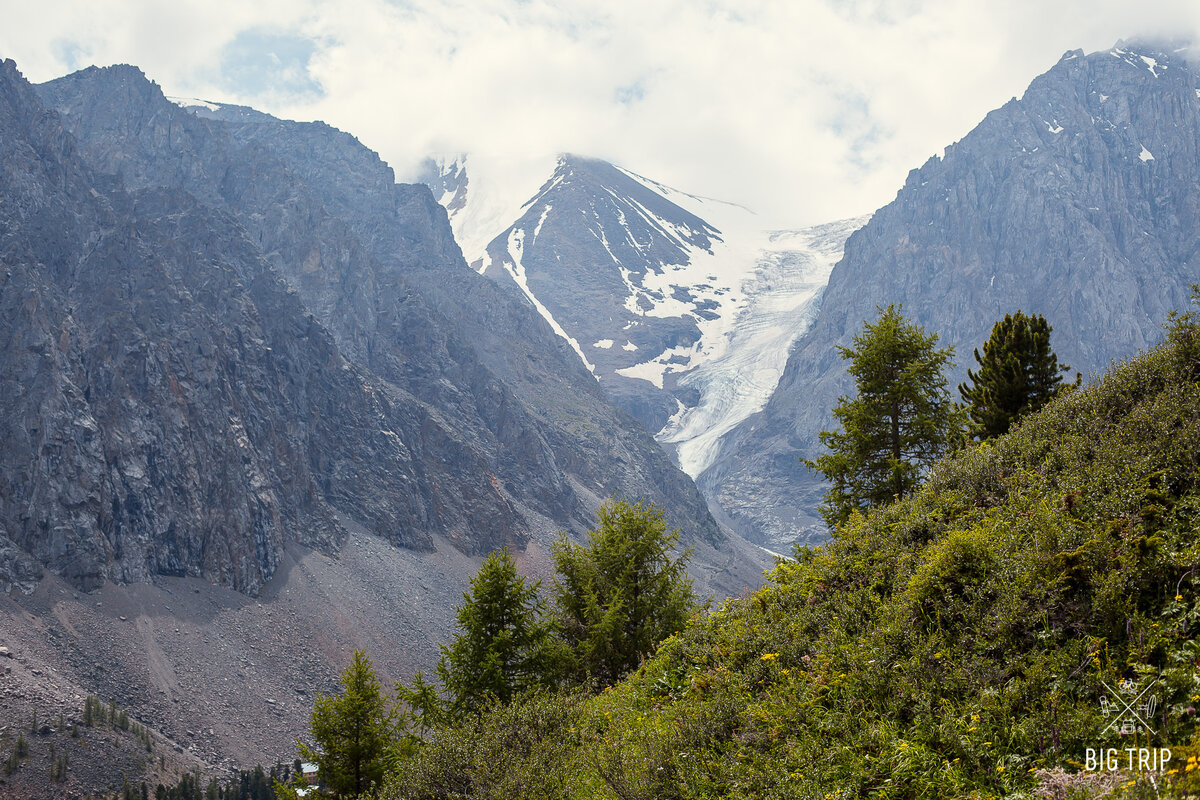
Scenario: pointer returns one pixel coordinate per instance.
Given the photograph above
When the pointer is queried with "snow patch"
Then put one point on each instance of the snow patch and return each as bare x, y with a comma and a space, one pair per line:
1152, 65
604, 344
1145, 155
541, 222
629, 347
192, 102
1053, 127
516, 249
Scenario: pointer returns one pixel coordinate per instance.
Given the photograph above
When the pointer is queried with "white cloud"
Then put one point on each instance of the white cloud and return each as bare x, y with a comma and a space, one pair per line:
805, 111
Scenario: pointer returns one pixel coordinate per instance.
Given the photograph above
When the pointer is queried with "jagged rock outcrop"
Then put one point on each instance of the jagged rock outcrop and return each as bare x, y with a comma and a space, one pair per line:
219, 336
1077, 202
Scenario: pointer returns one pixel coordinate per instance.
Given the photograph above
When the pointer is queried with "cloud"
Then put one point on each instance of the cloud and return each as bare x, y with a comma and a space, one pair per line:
806, 111
272, 66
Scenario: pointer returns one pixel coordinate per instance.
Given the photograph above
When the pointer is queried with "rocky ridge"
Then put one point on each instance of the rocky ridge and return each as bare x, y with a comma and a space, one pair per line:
684, 307
1075, 201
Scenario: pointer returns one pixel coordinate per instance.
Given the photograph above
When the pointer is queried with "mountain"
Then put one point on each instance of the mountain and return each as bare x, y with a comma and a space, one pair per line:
260, 413
683, 307
1077, 202
375, 265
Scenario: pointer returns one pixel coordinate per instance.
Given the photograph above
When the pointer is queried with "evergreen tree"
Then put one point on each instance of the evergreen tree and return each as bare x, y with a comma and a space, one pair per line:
1018, 374
502, 647
353, 733
901, 421
621, 595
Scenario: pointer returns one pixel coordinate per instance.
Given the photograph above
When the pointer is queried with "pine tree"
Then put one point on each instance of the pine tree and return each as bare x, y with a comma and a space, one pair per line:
901, 421
622, 594
353, 733
1018, 374
503, 644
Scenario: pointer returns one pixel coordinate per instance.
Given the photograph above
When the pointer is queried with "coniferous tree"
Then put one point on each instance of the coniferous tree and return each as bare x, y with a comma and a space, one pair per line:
503, 646
901, 421
622, 594
1018, 374
354, 733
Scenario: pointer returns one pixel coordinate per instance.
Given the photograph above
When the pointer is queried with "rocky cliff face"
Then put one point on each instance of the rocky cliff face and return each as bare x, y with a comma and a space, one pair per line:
220, 335
1077, 202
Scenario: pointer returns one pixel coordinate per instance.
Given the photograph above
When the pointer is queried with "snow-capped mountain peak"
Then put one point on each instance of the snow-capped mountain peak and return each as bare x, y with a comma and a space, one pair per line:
681, 305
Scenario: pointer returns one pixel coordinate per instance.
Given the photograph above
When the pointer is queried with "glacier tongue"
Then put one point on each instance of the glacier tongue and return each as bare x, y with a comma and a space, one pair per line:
782, 296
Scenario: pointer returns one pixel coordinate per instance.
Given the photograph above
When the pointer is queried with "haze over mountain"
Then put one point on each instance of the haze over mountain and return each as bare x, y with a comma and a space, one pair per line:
1078, 202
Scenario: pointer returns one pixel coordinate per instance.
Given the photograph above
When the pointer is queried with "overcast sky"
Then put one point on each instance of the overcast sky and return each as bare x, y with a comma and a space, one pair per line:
803, 110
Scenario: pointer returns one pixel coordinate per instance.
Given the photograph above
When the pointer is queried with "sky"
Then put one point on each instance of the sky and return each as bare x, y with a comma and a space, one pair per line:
804, 111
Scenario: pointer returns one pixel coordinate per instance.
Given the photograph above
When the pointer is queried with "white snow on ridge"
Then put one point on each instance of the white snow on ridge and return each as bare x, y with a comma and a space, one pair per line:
192, 102
752, 293
782, 293
718, 213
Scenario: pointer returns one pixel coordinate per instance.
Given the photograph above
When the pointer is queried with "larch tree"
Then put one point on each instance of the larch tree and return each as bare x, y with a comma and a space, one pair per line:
900, 422
621, 594
503, 645
354, 733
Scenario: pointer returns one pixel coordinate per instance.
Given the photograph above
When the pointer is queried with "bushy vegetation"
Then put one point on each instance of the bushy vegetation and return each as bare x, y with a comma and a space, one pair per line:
957, 643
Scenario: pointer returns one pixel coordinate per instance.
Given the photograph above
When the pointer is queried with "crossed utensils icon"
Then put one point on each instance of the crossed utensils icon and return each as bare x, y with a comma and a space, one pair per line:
1147, 707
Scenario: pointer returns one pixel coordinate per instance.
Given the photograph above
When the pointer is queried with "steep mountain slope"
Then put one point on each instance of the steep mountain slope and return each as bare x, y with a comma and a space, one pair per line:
1077, 202
168, 401
960, 643
682, 306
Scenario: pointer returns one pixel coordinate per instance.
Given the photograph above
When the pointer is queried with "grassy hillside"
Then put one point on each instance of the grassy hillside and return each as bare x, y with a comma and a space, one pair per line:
955, 644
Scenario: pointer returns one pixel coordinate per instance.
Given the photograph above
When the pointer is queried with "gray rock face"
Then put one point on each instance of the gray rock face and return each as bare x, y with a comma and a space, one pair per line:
220, 335
1078, 202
